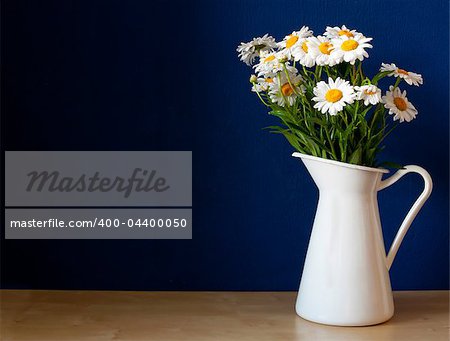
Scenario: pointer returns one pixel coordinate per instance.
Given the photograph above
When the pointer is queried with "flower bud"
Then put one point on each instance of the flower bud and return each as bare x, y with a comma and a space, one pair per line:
253, 79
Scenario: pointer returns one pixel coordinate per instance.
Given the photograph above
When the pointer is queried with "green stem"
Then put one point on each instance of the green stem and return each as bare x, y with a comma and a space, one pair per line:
397, 82
360, 70
262, 100
331, 144
389, 131
353, 75
289, 80
286, 103
379, 76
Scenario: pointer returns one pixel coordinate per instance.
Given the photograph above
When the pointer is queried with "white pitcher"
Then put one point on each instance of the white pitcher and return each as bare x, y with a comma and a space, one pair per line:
345, 279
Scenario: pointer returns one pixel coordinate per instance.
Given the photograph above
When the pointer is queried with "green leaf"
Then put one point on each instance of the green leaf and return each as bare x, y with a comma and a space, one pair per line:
355, 157
277, 113
389, 164
318, 121
277, 128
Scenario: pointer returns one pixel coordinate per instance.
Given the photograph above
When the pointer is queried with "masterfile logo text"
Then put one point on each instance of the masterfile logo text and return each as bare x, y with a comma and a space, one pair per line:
141, 180
107, 178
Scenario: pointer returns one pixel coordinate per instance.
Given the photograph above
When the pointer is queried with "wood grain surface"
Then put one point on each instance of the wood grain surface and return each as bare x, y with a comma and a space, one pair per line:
166, 316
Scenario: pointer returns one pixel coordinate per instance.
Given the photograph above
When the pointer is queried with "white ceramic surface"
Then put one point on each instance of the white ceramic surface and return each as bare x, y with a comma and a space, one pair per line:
345, 279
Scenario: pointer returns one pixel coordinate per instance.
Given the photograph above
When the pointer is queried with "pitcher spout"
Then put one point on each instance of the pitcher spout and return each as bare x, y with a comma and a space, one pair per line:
330, 175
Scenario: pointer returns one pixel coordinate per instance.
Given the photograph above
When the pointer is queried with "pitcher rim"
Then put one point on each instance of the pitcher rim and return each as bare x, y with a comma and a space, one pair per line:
339, 163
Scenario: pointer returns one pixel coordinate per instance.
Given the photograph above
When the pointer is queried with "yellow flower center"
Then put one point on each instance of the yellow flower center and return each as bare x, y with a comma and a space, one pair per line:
333, 95
269, 58
345, 33
367, 92
349, 45
305, 47
325, 48
400, 103
291, 41
269, 80
287, 90
403, 72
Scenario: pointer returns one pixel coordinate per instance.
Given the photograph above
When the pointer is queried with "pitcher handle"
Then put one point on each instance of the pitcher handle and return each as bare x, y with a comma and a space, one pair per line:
414, 209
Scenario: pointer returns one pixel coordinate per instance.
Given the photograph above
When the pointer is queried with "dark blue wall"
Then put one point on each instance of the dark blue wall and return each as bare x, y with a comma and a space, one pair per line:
164, 75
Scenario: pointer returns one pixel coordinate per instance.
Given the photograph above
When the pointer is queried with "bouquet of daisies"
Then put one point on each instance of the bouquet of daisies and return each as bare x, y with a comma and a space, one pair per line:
327, 106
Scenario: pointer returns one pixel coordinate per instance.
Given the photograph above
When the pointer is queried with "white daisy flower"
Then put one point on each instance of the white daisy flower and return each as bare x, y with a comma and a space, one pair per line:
320, 48
333, 96
349, 49
294, 41
248, 51
398, 105
369, 93
262, 84
410, 77
303, 55
269, 63
283, 92
336, 32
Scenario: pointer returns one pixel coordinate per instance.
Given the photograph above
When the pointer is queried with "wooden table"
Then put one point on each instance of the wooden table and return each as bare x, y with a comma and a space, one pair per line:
166, 316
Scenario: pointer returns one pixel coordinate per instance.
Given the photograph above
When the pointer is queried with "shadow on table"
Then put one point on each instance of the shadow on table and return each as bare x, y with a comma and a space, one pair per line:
418, 318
